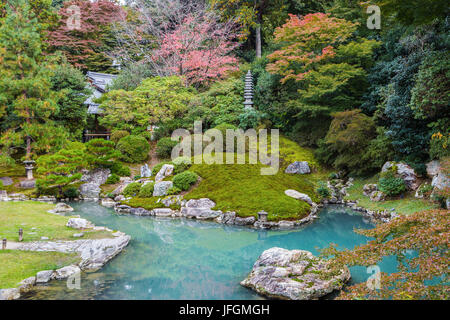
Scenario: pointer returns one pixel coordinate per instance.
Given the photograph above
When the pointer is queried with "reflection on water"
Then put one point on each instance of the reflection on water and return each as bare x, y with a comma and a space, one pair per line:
186, 259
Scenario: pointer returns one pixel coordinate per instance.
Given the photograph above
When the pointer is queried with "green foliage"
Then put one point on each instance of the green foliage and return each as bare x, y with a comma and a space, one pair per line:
118, 134
134, 149
132, 189
131, 76
348, 140
70, 83
71, 193
181, 164
173, 190
164, 147
112, 179
101, 153
62, 168
1, 184
250, 118
147, 190
185, 180
120, 169
391, 185
323, 190
440, 145
155, 100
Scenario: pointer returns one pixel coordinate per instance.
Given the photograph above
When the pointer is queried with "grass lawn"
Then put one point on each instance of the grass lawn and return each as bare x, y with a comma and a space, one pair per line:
36, 223
406, 205
19, 265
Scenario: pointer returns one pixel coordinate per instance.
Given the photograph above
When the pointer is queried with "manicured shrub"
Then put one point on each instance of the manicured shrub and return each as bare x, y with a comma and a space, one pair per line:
181, 164
113, 179
390, 185
118, 134
185, 180
323, 190
120, 170
101, 153
134, 149
132, 189
147, 135
71, 193
164, 147
147, 190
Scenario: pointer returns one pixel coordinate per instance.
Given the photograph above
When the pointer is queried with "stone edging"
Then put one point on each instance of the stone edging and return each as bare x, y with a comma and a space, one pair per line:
94, 254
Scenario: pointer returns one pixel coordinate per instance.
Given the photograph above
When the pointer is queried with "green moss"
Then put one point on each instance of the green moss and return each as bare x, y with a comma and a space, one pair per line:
19, 265
406, 205
242, 188
148, 203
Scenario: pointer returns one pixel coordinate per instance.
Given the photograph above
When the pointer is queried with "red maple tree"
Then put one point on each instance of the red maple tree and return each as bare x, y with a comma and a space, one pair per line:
78, 43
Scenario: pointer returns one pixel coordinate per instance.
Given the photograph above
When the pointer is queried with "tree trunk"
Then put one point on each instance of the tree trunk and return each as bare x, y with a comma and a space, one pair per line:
28, 155
258, 41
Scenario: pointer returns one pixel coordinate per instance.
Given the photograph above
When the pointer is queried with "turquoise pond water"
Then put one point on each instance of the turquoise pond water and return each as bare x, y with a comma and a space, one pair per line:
187, 259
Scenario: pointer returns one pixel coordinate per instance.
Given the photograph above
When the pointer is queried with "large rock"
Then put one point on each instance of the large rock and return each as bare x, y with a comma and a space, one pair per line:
27, 184
298, 167
96, 176
368, 189
7, 181
66, 272
161, 188
61, 208
200, 209
9, 294
299, 196
79, 223
405, 172
433, 168
294, 275
109, 203
441, 181
90, 190
44, 276
145, 171
377, 196
166, 170
124, 182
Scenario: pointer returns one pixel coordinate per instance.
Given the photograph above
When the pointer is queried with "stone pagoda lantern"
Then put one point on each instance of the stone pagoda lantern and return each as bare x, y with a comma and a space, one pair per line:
29, 166
248, 90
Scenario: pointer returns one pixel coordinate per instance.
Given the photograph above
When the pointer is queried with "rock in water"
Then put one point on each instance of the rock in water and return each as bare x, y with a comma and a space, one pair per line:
161, 188
294, 275
145, 171
61, 208
299, 167
90, 191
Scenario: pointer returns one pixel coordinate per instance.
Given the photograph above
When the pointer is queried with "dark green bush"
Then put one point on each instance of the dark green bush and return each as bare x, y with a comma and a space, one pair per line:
323, 190
120, 170
173, 190
146, 134
118, 134
185, 180
147, 190
132, 189
71, 193
390, 185
164, 147
134, 149
112, 179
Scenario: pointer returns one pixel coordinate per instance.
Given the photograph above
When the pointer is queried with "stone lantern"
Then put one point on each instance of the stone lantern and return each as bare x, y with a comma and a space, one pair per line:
29, 166
262, 216
248, 90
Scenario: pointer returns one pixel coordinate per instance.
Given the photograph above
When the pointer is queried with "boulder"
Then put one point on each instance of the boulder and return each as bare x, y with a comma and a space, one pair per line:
405, 172
90, 190
377, 196
200, 203
368, 189
441, 181
109, 203
9, 294
79, 223
244, 221
162, 212
161, 188
145, 171
294, 275
200, 209
27, 284
433, 168
172, 200
27, 184
7, 181
298, 167
299, 196
61, 207
166, 170
66, 272
44, 276
119, 198
96, 176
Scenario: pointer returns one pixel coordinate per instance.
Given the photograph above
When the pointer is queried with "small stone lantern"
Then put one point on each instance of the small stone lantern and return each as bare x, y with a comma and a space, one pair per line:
262, 216
29, 166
